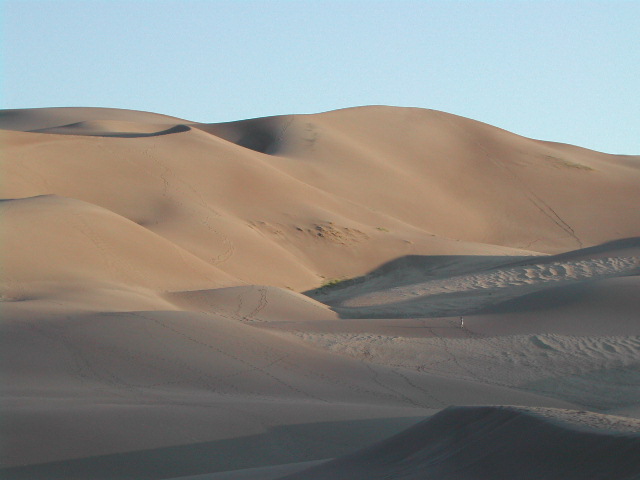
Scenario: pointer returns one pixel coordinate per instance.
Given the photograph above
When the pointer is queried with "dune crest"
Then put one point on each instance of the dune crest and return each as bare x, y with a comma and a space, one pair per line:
113, 128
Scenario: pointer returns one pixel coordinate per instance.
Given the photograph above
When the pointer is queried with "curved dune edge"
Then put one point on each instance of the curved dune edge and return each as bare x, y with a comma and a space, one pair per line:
498, 442
29, 119
104, 246
110, 128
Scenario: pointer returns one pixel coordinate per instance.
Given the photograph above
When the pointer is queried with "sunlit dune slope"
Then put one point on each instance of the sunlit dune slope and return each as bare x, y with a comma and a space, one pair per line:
289, 200
44, 233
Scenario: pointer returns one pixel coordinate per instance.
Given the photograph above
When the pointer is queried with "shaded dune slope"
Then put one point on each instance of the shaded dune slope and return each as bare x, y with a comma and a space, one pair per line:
462, 443
263, 135
459, 285
188, 378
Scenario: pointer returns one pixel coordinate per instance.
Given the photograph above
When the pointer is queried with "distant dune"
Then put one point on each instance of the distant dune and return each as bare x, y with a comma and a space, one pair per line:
253, 299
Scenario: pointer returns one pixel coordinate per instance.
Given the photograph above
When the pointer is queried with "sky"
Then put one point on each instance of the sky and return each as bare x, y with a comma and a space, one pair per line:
565, 71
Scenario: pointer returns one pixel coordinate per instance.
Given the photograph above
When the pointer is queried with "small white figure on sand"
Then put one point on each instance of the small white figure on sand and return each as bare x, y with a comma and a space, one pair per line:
461, 322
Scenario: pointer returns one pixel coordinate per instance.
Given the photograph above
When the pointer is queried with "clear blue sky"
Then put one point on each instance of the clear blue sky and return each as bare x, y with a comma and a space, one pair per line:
566, 71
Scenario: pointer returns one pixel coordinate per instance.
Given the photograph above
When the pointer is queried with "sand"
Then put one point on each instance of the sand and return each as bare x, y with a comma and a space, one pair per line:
488, 443
282, 296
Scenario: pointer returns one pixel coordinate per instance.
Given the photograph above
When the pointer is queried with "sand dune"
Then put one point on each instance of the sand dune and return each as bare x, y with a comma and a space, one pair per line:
488, 443
106, 246
483, 443
182, 366
431, 179
40, 118
436, 291
253, 304
236, 300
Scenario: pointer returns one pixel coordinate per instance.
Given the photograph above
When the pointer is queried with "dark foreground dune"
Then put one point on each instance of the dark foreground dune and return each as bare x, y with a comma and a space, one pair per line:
491, 443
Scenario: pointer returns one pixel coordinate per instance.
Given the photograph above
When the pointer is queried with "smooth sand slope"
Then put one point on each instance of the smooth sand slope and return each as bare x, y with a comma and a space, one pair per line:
488, 443
182, 300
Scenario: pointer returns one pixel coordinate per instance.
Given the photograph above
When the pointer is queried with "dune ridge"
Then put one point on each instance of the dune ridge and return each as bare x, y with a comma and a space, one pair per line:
234, 300
111, 128
487, 442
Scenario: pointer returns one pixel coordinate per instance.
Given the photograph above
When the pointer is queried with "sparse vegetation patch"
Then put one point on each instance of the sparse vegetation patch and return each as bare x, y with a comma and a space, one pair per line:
333, 282
563, 162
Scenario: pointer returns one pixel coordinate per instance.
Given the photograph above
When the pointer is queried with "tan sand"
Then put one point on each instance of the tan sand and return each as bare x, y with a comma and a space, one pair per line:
183, 299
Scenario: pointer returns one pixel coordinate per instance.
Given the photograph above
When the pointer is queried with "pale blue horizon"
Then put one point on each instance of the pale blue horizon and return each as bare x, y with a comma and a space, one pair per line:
564, 71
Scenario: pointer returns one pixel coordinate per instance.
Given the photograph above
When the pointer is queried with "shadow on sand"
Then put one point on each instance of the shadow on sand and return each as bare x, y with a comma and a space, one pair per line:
279, 445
